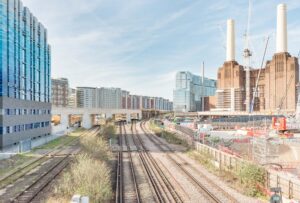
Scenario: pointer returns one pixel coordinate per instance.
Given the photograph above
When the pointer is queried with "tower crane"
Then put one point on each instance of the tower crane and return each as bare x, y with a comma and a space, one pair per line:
247, 55
257, 79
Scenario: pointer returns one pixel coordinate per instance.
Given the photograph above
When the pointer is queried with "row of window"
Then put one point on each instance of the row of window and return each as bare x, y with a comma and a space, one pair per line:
21, 128
27, 111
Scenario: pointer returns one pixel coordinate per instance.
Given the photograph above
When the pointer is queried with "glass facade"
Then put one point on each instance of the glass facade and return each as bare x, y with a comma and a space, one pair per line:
189, 91
25, 85
25, 54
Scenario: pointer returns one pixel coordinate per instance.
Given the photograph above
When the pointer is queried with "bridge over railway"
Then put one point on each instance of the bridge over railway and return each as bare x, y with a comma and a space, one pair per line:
90, 116
222, 113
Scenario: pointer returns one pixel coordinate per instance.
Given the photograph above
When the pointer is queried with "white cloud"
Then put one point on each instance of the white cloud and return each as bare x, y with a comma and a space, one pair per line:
139, 45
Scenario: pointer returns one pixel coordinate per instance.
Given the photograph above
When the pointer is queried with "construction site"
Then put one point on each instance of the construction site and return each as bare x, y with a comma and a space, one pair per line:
257, 114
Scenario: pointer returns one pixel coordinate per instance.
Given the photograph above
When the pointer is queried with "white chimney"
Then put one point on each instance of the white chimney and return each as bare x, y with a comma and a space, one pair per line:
281, 35
230, 52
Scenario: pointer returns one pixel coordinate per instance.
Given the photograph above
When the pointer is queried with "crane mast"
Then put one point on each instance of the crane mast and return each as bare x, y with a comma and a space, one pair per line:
247, 60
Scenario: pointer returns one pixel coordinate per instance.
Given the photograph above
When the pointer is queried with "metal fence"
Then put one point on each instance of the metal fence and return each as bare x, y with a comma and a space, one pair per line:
290, 186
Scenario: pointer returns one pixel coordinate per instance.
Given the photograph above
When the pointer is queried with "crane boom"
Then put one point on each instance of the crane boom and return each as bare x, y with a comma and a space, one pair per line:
256, 84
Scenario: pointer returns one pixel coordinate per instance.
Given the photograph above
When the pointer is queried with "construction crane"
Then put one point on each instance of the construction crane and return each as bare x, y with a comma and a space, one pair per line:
257, 80
247, 56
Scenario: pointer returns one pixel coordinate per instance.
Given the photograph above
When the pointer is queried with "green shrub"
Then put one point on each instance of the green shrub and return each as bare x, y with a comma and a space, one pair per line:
88, 177
97, 147
107, 131
251, 176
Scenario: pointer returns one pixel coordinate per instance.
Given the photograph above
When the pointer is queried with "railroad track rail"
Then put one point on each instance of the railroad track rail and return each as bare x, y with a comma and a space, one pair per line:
44, 177
132, 169
159, 180
20, 172
225, 196
119, 184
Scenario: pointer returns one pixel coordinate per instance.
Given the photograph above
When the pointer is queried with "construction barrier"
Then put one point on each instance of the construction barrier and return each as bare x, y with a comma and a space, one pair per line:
290, 186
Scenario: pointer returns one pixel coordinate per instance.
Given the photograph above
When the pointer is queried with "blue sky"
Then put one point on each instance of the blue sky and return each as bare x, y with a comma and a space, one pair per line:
139, 45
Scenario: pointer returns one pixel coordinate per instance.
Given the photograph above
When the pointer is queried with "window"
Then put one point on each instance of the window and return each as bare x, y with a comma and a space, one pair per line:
7, 129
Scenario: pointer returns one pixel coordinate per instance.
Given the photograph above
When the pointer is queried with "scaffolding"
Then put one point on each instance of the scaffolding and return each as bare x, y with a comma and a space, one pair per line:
264, 151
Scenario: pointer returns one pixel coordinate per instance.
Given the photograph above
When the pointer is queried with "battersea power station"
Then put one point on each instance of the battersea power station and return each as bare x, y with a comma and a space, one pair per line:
269, 89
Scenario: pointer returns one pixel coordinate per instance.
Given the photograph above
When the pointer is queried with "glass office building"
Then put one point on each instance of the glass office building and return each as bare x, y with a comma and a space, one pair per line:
189, 91
25, 75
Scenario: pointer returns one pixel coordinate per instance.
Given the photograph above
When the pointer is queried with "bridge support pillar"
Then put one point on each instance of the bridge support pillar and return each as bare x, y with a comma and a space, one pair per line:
108, 115
64, 120
86, 121
128, 117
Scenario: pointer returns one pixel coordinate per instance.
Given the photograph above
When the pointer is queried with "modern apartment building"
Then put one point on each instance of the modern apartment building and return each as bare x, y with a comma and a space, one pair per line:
134, 102
86, 97
116, 98
25, 87
189, 91
60, 92
109, 98
72, 101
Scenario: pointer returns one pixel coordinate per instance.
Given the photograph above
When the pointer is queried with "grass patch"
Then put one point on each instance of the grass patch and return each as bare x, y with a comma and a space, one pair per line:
204, 159
170, 137
244, 180
108, 132
65, 139
7, 165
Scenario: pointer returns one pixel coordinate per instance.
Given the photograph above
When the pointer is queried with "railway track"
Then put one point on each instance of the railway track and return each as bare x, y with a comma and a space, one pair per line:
119, 184
207, 188
162, 189
19, 172
158, 178
42, 178
127, 189
137, 196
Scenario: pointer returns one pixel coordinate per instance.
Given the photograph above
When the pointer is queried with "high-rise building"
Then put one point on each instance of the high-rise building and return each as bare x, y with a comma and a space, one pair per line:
189, 91
116, 98
60, 92
25, 87
109, 98
72, 101
86, 97
125, 100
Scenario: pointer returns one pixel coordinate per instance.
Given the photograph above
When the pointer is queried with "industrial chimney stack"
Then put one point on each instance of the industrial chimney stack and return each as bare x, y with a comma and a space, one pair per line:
281, 36
230, 54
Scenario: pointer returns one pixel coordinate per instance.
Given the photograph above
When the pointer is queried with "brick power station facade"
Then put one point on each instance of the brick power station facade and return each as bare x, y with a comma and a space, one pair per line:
277, 81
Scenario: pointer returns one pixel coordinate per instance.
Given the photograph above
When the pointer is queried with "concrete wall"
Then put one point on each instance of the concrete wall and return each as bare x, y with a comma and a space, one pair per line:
7, 139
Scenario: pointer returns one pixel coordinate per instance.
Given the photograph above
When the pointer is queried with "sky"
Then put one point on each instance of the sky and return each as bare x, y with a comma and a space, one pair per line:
139, 45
